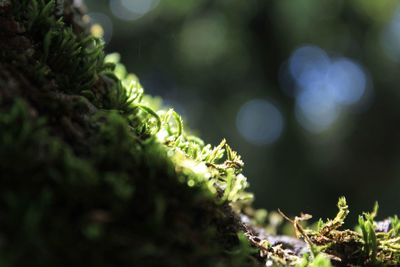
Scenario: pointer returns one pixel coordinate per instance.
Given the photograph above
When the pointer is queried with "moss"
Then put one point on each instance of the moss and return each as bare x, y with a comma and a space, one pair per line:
96, 173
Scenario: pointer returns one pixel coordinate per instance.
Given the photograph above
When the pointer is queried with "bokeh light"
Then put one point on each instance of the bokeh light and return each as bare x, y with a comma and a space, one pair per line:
259, 122
390, 38
132, 9
307, 65
324, 86
316, 109
139, 7
348, 81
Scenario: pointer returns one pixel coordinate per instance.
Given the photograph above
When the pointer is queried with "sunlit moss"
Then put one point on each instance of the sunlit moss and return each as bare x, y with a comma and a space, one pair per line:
97, 31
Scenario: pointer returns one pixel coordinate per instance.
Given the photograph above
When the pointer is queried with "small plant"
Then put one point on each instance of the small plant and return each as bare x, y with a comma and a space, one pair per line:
368, 245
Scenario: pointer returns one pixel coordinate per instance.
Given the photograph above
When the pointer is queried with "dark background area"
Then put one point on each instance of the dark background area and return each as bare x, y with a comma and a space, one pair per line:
306, 91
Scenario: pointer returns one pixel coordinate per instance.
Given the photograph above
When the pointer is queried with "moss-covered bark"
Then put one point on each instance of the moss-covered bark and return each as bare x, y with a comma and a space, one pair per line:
95, 173
84, 181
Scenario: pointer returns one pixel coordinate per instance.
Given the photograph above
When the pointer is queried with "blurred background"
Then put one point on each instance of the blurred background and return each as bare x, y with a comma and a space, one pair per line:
306, 91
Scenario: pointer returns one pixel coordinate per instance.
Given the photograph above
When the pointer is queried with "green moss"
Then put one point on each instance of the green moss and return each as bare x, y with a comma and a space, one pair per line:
96, 173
